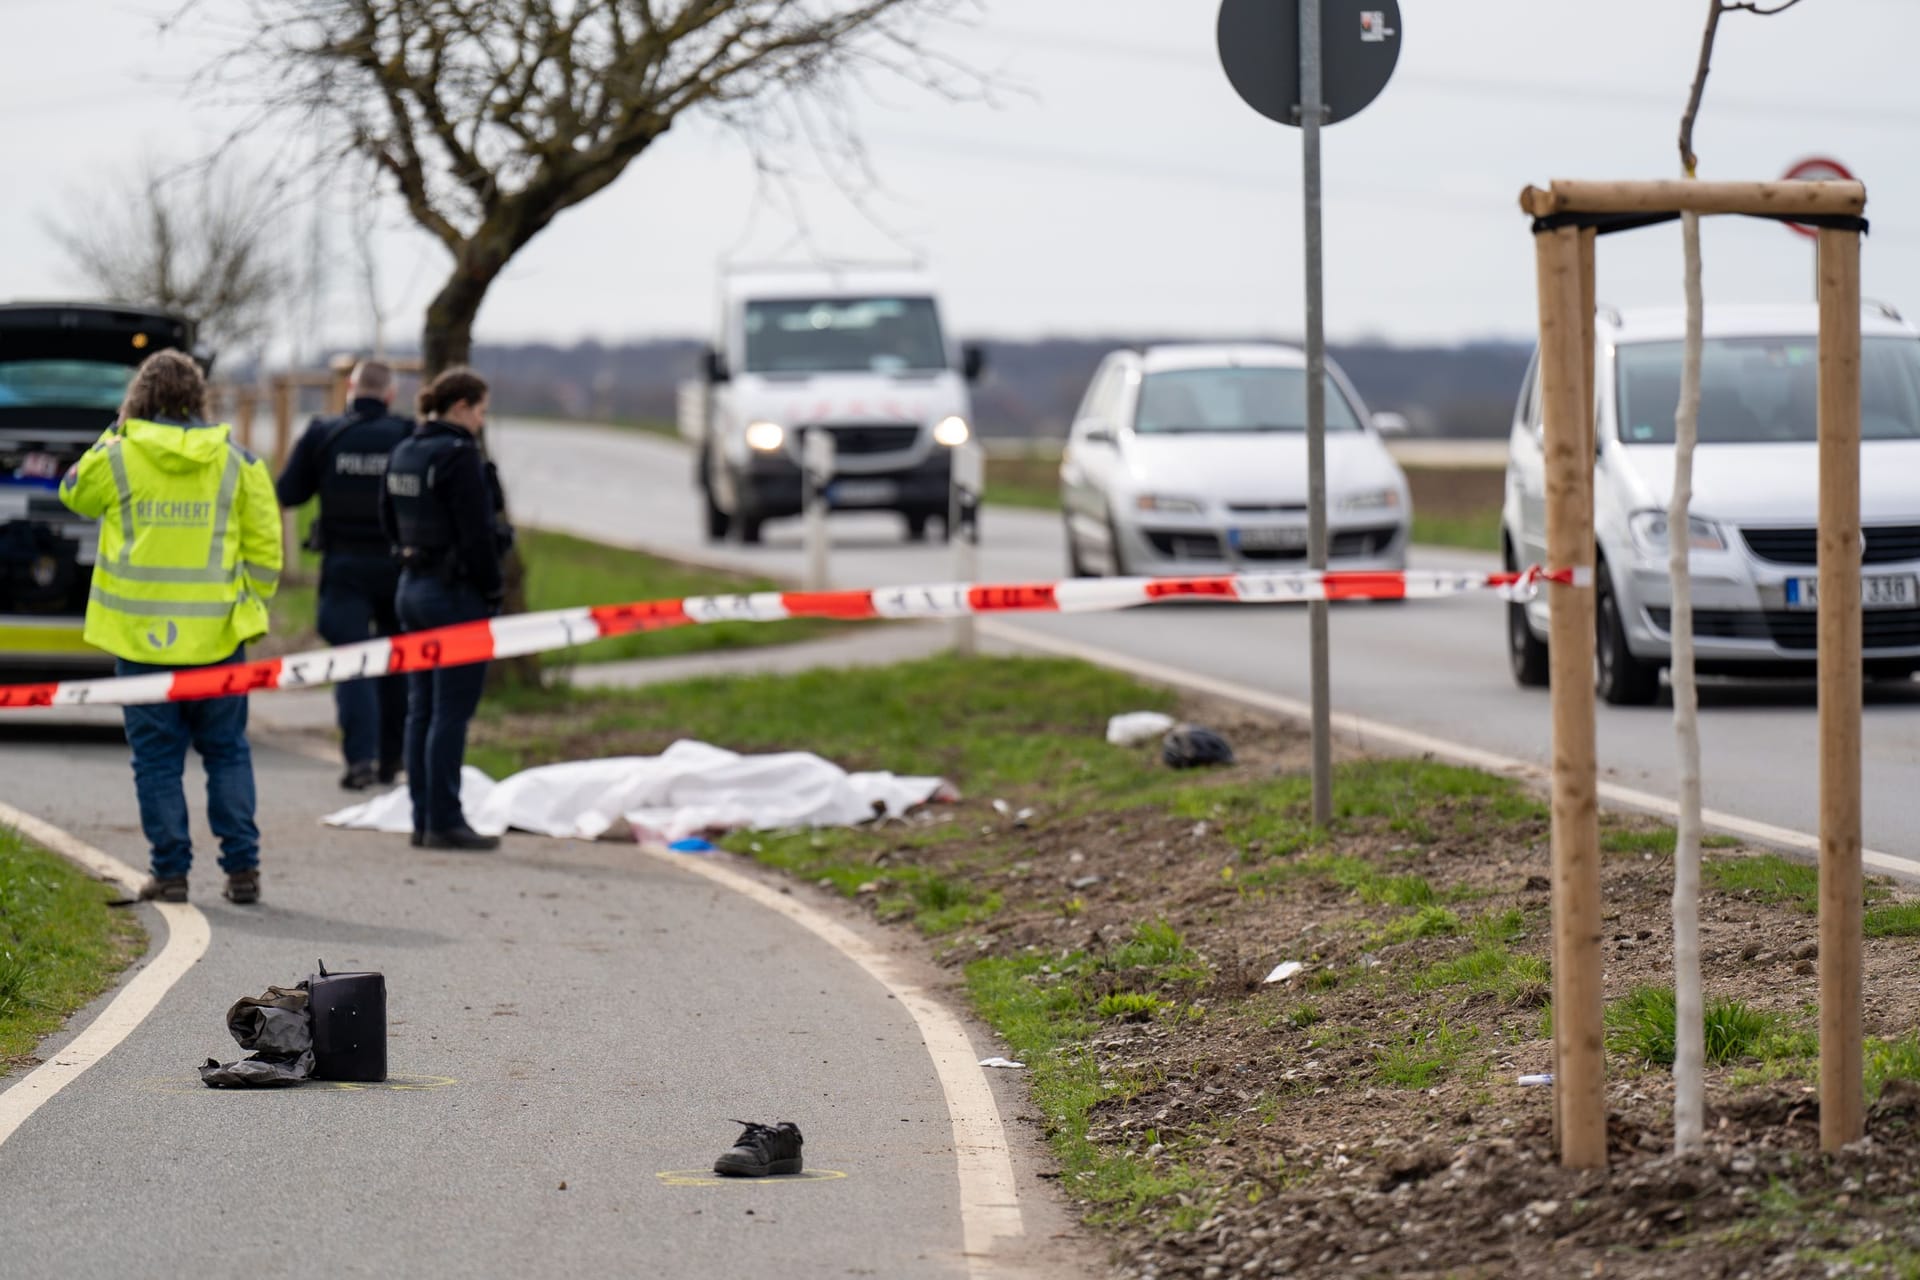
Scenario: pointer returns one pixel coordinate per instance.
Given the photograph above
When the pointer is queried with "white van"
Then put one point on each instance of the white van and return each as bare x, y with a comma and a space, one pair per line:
1756, 498
860, 353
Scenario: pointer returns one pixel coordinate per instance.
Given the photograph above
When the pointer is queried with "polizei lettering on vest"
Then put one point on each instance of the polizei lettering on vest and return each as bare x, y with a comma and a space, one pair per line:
360, 464
403, 486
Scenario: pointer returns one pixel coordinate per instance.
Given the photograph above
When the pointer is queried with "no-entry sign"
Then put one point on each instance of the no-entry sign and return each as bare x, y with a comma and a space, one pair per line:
1815, 169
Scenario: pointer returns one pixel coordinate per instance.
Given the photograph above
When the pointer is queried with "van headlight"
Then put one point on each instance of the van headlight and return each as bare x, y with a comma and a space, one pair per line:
1372, 500
765, 436
1649, 529
952, 431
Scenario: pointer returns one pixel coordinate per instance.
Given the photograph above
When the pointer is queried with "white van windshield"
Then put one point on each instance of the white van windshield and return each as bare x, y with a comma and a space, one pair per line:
1765, 390
844, 335
1256, 398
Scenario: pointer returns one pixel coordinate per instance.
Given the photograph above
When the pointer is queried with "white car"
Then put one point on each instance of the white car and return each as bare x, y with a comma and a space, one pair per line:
1755, 502
1193, 459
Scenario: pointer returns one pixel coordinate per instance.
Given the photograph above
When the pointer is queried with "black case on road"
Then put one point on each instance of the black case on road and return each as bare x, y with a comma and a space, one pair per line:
349, 1013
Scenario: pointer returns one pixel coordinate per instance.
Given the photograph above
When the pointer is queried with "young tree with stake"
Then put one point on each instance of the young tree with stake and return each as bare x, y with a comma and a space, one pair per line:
1689, 1059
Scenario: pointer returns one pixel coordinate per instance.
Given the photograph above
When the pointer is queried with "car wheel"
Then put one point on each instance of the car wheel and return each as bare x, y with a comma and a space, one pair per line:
1526, 652
1076, 567
1620, 679
748, 528
916, 526
1116, 558
717, 520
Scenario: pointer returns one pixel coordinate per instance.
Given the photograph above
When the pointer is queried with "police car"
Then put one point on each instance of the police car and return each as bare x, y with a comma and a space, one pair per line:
64, 369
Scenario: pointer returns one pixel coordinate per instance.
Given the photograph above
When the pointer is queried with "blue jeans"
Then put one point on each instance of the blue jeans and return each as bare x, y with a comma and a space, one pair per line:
357, 603
439, 703
159, 736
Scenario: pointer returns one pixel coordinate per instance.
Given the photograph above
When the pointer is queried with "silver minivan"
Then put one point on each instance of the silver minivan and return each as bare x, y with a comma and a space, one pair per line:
1755, 497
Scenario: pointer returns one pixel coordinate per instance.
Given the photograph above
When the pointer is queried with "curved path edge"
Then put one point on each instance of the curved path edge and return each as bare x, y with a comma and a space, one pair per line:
989, 1200
187, 939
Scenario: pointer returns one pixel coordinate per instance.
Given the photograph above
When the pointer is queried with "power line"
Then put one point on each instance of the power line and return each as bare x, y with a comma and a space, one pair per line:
1536, 92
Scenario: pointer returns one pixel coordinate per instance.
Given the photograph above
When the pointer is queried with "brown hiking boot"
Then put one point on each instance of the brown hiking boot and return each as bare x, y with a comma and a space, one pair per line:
172, 889
243, 887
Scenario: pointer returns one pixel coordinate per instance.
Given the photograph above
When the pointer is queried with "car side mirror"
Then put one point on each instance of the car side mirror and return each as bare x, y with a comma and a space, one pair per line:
973, 361
714, 365
1391, 424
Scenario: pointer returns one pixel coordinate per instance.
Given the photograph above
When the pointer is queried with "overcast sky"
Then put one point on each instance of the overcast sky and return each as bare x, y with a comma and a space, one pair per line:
1118, 185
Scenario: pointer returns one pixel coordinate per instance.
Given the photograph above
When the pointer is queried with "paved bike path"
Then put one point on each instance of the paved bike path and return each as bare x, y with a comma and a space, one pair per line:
562, 1013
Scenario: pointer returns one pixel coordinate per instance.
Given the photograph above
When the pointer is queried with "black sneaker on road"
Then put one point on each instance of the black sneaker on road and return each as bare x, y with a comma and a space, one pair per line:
359, 777
761, 1150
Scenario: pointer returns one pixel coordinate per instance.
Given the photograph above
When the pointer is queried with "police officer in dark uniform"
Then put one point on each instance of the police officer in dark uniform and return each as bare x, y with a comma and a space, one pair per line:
442, 511
344, 461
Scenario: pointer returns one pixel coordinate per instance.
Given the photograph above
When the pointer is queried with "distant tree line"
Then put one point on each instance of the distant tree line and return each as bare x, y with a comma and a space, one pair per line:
1031, 387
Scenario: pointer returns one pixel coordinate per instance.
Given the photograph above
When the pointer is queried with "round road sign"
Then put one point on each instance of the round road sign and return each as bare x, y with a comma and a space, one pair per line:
1815, 169
1260, 49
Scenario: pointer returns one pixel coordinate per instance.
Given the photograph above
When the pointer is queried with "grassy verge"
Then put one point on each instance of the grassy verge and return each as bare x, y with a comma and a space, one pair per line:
1115, 923
1457, 506
1028, 719
565, 572
1474, 532
60, 944
1026, 480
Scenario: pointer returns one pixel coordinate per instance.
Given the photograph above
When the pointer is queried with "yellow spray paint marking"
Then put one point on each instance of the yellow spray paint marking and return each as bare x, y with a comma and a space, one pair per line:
392, 1084
708, 1178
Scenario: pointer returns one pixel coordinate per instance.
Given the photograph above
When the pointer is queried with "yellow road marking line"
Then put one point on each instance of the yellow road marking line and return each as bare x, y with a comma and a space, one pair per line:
708, 1178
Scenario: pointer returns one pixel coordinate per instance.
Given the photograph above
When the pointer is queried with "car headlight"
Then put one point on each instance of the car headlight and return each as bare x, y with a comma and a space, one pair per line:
952, 432
1169, 506
765, 436
1649, 530
1372, 500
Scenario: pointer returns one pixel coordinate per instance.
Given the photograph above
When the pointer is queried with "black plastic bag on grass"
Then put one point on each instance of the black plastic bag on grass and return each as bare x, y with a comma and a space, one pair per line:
1192, 746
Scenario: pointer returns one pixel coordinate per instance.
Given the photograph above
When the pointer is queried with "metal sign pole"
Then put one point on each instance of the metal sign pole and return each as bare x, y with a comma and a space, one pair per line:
963, 527
1312, 109
816, 466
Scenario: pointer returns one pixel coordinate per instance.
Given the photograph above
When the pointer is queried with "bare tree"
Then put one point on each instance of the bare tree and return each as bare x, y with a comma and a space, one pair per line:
490, 118
1689, 1059
198, 240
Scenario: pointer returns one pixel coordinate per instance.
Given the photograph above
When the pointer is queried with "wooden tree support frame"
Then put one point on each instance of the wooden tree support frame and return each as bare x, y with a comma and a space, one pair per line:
1564, 252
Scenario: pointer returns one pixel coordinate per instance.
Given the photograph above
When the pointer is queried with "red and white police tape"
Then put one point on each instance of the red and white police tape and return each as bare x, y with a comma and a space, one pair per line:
527, 633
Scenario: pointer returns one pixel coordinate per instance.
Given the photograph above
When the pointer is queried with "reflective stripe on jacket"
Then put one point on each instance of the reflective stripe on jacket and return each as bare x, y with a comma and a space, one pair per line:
189, 541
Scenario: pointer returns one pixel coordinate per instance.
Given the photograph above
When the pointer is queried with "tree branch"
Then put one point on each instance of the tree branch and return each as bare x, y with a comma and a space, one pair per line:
1690, 163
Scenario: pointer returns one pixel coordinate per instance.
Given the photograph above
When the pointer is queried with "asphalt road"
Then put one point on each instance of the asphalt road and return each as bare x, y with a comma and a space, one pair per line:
564, 1014
1438, 667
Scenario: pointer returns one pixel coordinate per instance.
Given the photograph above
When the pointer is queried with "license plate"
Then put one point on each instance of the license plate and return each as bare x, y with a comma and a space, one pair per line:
861, 493
1281, 539
1877, 591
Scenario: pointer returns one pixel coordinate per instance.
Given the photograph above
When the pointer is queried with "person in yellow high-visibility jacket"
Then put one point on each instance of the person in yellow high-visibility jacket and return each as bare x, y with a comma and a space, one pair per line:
189, 556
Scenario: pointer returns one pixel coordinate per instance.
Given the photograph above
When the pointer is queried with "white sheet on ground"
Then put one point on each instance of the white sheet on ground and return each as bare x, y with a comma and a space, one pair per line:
690, 788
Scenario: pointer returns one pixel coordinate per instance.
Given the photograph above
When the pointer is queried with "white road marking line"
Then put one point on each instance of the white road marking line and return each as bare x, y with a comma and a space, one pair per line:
187, 938
1363, 732
989, 1199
